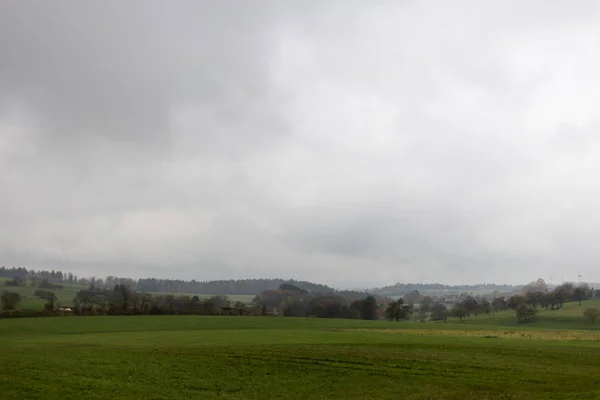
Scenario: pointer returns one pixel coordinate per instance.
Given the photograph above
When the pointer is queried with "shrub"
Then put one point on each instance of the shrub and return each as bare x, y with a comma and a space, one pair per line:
525, 312
591, 314
10, 300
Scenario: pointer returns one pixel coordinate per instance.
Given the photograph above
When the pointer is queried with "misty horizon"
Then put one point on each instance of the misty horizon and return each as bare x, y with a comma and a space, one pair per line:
550, 283
345, 143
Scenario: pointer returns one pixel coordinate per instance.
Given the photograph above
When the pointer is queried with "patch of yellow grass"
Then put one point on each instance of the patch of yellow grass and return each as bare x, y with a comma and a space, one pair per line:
505, 334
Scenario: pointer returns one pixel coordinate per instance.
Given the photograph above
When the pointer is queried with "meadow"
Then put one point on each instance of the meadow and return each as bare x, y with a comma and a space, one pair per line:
204, 357
66, 295
29, 301
244, 298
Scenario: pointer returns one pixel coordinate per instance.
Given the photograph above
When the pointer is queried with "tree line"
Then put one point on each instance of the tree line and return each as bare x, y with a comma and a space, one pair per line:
230, 286
20, 276
123, 299
525, 305
401, 289
114, 295
290, 300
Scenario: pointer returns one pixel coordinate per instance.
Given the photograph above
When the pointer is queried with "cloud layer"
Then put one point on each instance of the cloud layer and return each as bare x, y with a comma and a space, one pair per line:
342, 142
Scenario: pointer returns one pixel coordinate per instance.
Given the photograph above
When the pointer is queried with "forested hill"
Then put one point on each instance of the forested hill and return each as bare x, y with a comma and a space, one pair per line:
239, 286
400, 289
231, 286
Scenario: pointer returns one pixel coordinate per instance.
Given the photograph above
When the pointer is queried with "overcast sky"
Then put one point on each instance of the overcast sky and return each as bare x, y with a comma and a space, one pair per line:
352, 143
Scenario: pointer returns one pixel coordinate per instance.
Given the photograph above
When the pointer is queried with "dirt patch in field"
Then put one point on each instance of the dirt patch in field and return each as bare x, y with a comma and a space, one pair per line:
492, 334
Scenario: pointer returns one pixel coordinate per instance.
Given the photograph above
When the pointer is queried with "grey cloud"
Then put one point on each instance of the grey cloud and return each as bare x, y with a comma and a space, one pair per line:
350, 143
117, 69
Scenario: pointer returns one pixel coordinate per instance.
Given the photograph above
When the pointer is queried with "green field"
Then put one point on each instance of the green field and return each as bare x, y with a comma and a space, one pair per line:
244, 298
67, 294
569, 317
192, 357
30, 302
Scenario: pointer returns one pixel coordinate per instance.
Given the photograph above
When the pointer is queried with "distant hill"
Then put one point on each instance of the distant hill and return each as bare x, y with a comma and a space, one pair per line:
158, 285
65, 294
255, 286
568, 317
438, 289
231, 286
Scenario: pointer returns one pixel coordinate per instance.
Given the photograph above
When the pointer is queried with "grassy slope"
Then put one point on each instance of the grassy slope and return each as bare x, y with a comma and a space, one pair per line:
67, 294
245, 298
29, 301
183, 357
569, 317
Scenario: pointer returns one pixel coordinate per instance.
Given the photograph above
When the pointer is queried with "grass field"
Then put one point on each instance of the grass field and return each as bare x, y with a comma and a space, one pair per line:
244, 298
189, 357
568, 317
68, 292
30, 302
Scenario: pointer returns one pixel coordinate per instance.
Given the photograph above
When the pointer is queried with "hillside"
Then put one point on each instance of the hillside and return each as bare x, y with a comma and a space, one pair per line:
67, 294
438, 289
569, 317
248, 287
29, 301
